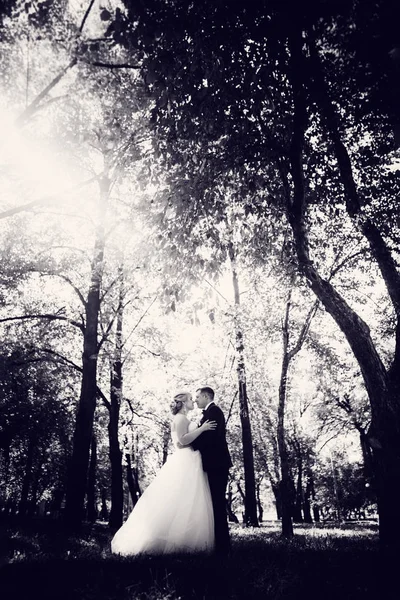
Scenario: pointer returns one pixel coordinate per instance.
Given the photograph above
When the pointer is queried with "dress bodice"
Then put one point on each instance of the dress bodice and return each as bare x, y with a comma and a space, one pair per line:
174, 436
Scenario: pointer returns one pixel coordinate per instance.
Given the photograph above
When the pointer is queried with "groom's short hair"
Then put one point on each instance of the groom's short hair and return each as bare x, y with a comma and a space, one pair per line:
208, 391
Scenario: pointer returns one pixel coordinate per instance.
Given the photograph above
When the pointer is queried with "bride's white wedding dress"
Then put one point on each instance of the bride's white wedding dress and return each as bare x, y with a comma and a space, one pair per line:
175, 512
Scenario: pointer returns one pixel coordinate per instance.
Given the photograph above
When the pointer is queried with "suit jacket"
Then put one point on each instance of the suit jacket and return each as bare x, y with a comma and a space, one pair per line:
212, 444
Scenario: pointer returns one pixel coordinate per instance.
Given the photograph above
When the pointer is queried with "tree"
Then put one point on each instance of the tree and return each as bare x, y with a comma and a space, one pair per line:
286, 483
381, 383
36, 422
77, 479
117, 498
236, 87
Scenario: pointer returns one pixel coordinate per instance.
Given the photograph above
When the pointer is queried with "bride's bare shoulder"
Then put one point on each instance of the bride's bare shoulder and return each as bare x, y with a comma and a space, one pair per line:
178, 420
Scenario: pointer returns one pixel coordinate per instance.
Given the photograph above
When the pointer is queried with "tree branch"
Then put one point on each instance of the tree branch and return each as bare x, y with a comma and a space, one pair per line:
69, 362
45, 199
343, 263
352, 325
379, 249
215, 289
108, 328
44, 316
304, 330
97, 63
67, 279
144, 348
231, 407
138, 323
335, 435
106, 402
61, 357
89, 8
34, 105
112, 284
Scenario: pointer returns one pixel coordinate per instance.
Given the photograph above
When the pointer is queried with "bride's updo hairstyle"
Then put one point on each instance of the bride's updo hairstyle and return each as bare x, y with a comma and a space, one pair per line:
178, 402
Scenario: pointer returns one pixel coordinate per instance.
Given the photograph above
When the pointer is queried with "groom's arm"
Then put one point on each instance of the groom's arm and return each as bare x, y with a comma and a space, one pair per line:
208, 438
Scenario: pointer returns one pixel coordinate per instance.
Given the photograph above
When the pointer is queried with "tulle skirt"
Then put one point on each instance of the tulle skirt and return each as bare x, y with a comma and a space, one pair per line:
175, 512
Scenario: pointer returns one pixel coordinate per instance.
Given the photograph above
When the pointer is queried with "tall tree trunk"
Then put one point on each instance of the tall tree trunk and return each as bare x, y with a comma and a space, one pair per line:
259, 504
287, 490
27, 479
166, 439
91, 510
103, 510
35, 486
243, 497
117, 491
316, 512
276, 489
7, 450
133, 483
366, 451
338, 506
308, 495
229, 501
298, 504
56, 503
285, 486
382, 386
78, 468
250, 502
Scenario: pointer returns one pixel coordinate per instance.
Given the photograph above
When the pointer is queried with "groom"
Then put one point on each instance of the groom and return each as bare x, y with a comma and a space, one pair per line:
216, 463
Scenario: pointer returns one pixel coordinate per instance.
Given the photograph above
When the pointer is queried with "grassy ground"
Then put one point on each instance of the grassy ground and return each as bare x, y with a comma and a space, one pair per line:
41, 560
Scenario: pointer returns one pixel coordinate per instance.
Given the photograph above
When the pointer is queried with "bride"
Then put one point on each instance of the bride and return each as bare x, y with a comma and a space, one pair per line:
175, 512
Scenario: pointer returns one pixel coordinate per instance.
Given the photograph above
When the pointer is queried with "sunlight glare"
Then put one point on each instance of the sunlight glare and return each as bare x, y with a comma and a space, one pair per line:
30, 161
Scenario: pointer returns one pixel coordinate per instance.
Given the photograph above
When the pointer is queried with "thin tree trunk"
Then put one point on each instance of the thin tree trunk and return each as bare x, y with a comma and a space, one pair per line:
56, 503
91, 491
259, 504
298, 505
166, 439
309, 494
316, 512
131, 477
35, 486
287, 491
285, 483
27, 479
278, 502
366, 451
338, 507
117, 491
78, 468
231, 515
6, 449
243, 497
104, 510
250, 502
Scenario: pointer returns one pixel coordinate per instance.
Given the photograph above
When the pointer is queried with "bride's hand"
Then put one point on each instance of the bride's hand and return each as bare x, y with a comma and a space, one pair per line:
208, 425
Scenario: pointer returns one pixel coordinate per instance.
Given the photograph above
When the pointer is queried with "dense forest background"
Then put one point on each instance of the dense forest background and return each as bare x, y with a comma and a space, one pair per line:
200, 193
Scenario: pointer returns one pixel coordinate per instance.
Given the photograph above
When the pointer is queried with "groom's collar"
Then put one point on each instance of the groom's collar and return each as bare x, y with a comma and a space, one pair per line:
209, 404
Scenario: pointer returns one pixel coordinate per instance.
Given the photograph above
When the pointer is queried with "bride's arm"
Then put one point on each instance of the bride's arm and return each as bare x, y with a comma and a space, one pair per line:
186, 437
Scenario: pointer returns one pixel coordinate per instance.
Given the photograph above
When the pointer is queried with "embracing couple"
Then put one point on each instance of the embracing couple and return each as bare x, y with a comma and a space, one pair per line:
183, 509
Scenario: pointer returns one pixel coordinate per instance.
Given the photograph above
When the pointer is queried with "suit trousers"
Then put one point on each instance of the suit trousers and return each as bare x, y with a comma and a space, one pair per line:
218, 480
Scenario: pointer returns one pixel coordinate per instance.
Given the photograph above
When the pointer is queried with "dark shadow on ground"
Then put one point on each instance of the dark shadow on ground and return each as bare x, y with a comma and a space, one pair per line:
49, 563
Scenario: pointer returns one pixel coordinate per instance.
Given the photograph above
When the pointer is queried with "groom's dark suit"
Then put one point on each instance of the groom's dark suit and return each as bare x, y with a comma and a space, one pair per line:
216, 462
